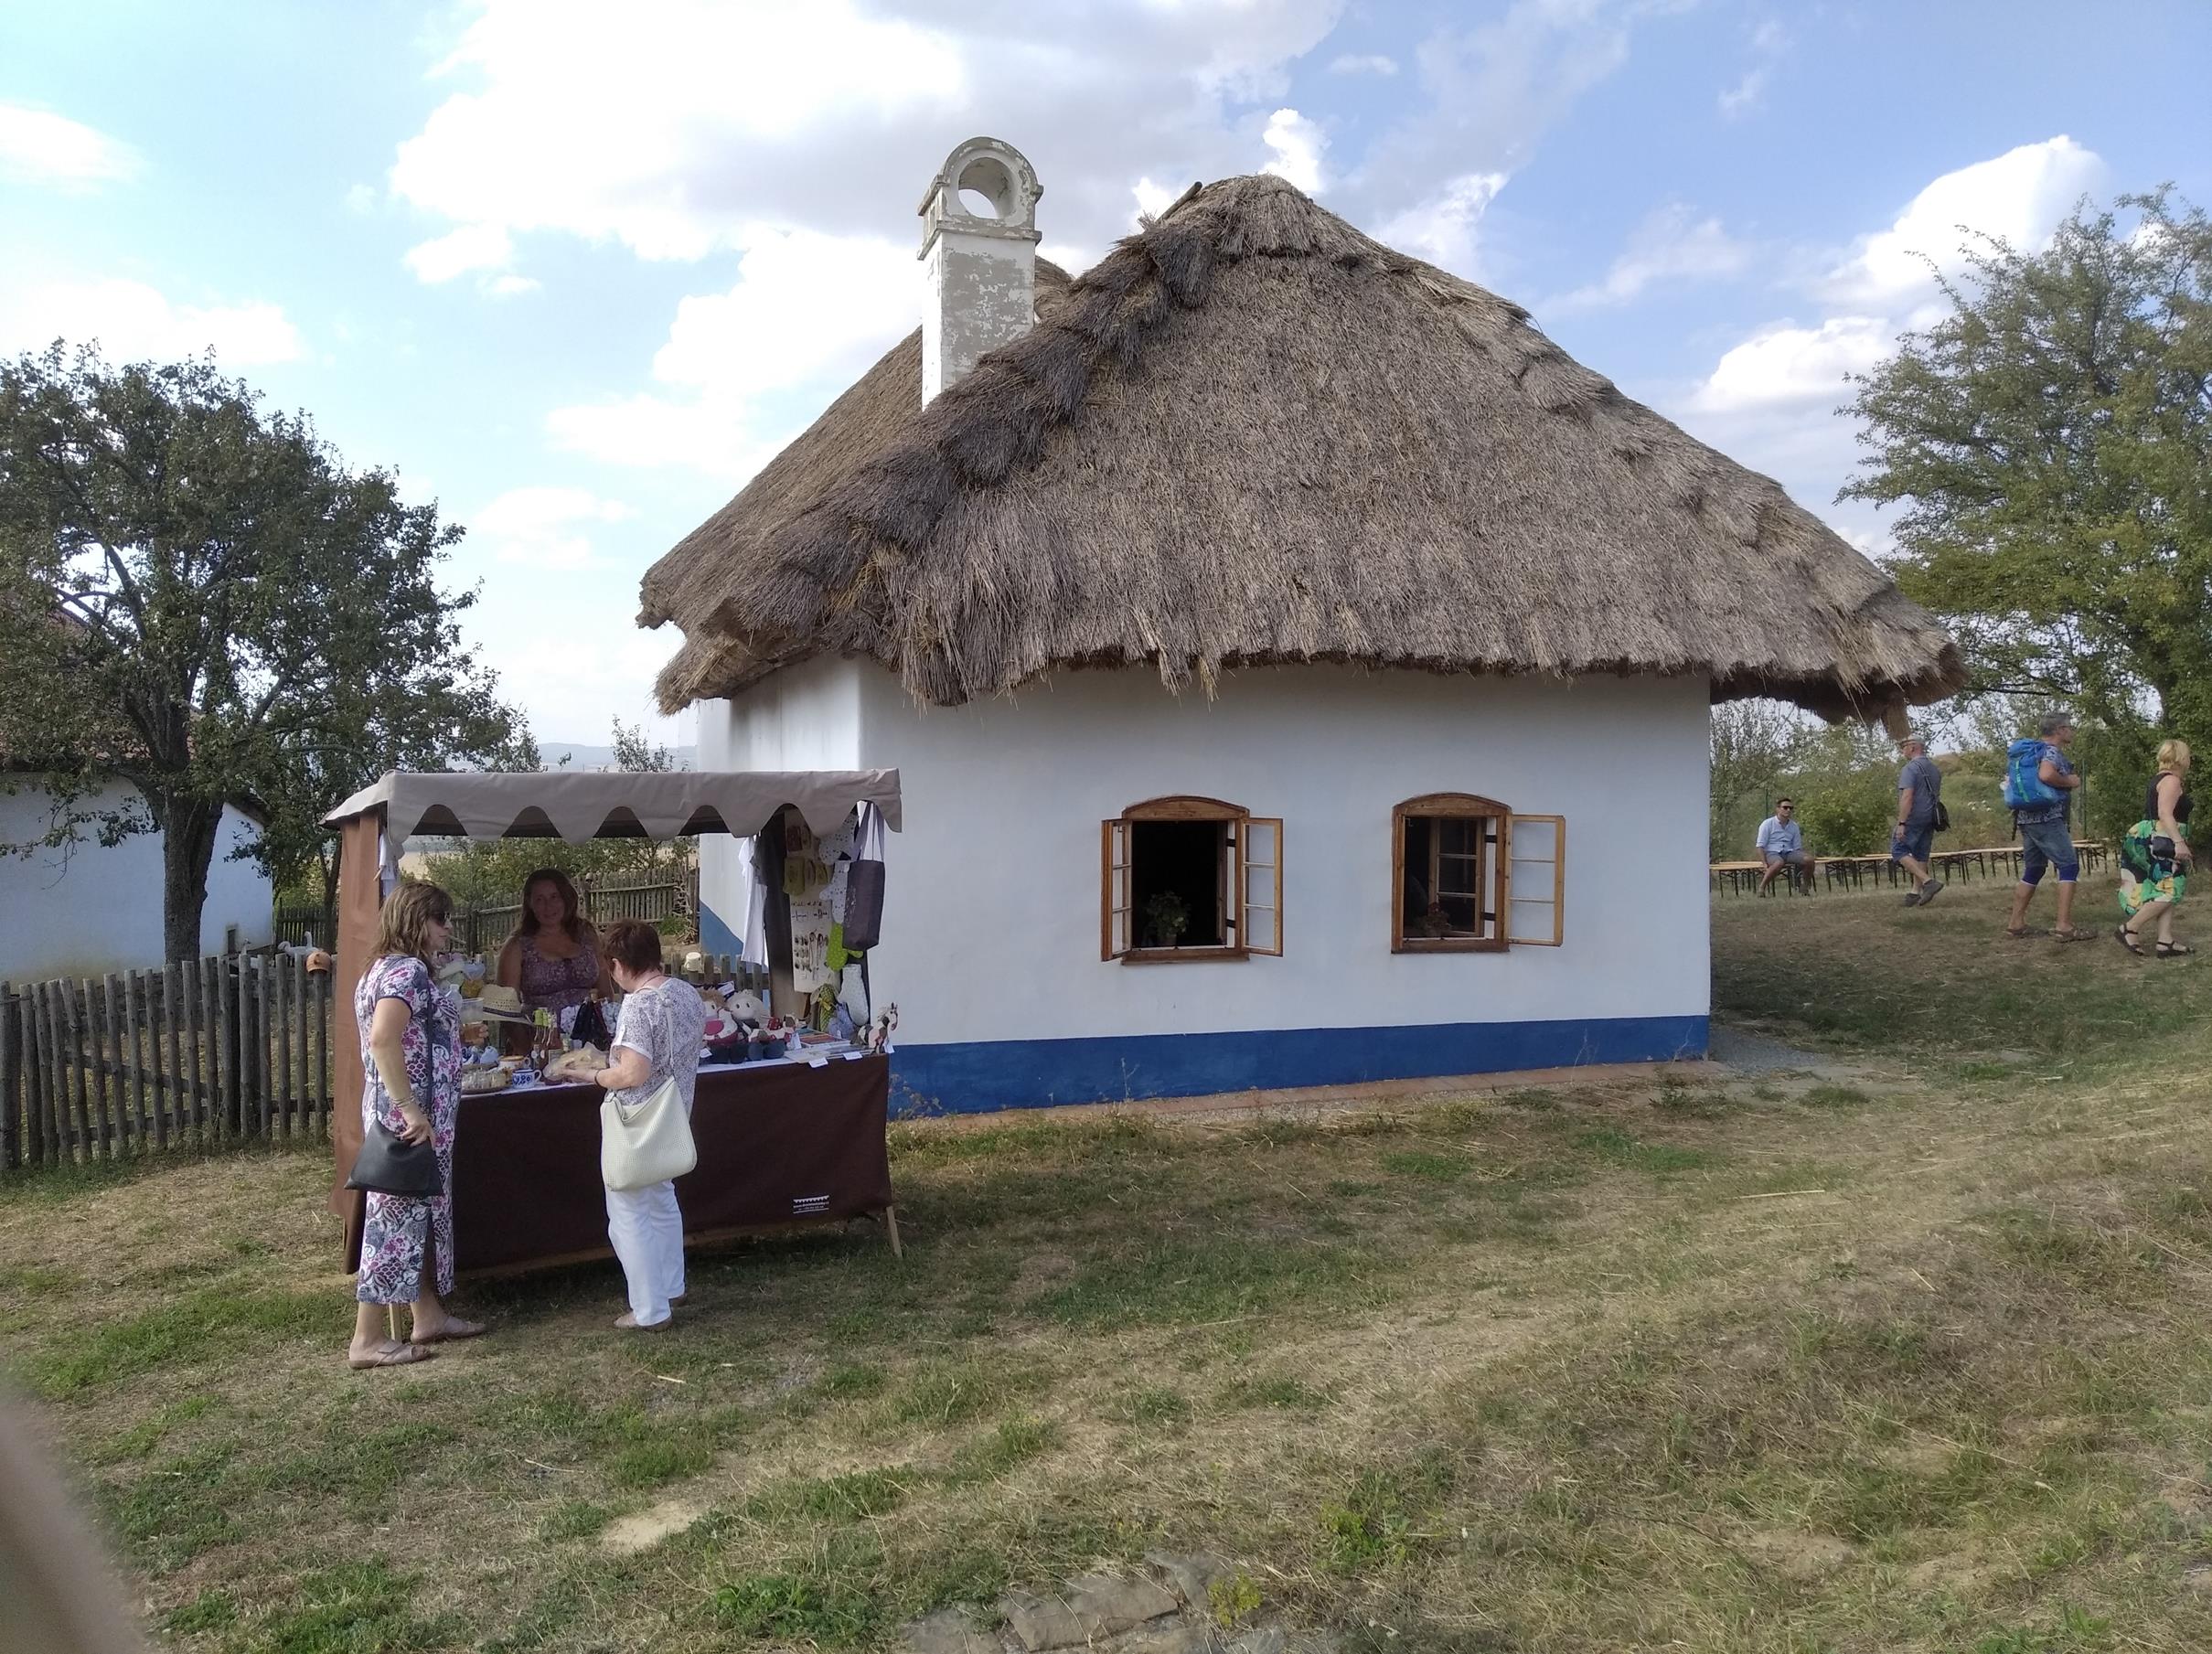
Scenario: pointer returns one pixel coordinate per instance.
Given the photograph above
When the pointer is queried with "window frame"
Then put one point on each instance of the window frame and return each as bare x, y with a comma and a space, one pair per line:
1116, 851
1492, 853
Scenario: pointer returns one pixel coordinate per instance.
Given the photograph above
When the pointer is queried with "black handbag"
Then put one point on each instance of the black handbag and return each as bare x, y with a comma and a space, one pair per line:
389, 1163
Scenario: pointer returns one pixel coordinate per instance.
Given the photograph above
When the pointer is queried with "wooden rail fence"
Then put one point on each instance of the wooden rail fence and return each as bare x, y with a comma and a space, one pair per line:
478, 929
206, 1051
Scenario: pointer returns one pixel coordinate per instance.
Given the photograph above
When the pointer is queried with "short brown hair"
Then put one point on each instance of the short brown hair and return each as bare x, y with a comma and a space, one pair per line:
631, 943
403, 927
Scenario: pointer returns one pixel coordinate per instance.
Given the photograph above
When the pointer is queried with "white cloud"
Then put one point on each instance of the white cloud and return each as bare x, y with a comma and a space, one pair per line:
544, 527
1787, 363
1442, 229
675, 128
472, 247
1768, 42
573, 680
1299, 144
38, 146
1373, 63
133, 322
1152, 199
361, 200
1672, 245
808, 313
608, 126
507, 286
2019, 196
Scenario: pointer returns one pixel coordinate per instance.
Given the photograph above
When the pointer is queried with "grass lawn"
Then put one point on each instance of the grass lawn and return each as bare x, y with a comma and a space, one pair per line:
1915, 1357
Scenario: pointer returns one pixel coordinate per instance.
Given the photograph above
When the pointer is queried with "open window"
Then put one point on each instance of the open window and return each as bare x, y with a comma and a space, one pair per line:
1470, 876
1189, 879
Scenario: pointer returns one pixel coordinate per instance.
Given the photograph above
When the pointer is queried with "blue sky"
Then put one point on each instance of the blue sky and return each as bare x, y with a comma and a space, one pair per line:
575, 270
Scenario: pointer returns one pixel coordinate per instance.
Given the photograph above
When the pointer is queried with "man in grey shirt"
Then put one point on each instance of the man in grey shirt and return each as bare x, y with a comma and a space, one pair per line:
1919, 791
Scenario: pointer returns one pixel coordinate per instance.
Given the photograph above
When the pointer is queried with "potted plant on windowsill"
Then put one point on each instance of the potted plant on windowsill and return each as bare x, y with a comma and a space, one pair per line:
1166, 918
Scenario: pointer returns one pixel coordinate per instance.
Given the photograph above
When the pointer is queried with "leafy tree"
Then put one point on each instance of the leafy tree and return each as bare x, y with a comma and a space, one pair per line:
2050, 442
1752, 746
490, 872
197, 597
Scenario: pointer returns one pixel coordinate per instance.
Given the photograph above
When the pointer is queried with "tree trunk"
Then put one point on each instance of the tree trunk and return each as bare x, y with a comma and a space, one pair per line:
187, 848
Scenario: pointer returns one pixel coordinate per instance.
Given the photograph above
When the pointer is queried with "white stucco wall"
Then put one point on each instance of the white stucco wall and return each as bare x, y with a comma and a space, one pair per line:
87, 910
991, 918
991, 921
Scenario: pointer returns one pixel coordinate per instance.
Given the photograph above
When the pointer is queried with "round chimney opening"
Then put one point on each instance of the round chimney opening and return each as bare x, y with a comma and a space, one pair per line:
987, 188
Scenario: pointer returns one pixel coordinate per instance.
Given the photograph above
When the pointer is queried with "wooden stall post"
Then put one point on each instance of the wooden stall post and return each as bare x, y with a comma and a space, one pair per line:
11, 1070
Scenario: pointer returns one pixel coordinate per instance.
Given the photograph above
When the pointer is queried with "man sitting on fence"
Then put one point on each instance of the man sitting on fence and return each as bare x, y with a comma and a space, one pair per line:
1781, 846
2039, 786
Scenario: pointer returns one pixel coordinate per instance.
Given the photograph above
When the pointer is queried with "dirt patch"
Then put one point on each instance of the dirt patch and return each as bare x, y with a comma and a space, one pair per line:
628, 1536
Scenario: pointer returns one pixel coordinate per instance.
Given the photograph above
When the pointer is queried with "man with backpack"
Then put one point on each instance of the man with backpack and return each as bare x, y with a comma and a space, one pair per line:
1920, 813
2039, 791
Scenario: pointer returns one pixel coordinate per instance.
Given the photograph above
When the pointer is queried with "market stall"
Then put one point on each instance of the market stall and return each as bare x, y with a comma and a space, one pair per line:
798, 1139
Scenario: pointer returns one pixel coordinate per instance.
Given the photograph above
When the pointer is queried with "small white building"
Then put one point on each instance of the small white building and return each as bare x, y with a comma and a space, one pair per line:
1269, 578
84, 910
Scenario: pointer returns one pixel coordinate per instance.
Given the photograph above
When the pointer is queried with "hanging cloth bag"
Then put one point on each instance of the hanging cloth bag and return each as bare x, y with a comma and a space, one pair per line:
864, 885
649, 1144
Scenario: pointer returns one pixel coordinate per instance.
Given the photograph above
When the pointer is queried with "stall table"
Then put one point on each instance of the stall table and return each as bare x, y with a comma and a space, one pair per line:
778, 1142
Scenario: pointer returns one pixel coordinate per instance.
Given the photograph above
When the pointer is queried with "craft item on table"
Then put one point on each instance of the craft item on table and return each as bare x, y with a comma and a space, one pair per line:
745, 1006
809, 945
571, 1066
841, 1025
494, 1078
502, 1001
483, 1056
880, 1030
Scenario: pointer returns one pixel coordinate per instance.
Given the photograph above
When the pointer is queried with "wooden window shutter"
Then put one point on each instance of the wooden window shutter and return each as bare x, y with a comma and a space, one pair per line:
1533, 879
1261, 866
1115, 896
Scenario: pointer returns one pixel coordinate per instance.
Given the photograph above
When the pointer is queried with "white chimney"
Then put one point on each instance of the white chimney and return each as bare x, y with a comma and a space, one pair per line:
981, 268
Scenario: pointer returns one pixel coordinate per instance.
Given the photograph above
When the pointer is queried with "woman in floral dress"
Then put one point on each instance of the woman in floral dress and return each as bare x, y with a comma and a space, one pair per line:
411, 1043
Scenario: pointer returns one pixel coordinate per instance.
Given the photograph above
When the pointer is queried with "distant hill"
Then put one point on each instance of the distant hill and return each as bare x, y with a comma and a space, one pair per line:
601, 758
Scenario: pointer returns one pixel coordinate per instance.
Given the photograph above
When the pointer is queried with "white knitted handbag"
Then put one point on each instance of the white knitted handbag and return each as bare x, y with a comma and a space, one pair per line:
649, 1144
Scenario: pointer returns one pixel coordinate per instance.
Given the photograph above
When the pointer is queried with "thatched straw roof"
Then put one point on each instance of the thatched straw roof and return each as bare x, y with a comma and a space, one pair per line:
1254, 436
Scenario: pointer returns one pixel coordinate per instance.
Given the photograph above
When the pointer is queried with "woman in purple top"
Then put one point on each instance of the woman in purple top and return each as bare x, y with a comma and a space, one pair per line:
553, 956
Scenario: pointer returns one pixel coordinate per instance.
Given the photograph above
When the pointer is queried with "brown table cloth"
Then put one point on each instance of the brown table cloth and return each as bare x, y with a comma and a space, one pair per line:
777, 1142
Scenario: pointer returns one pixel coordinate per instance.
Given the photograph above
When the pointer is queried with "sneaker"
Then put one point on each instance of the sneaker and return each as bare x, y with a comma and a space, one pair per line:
1913, 900
1930, 890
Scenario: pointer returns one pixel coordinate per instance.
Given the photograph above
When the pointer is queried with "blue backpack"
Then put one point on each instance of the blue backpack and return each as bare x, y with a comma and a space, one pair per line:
2024, 788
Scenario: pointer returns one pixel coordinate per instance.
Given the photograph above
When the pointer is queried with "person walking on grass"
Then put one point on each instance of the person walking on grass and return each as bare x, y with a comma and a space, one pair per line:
1781, 846
2155, 858
1920, 800
2039, 785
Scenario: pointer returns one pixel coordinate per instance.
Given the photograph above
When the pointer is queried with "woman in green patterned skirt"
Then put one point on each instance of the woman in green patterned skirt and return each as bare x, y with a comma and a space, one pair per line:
2154, 858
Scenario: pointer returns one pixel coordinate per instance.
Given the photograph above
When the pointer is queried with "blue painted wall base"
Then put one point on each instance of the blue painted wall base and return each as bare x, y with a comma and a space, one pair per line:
714, 936
987, 1076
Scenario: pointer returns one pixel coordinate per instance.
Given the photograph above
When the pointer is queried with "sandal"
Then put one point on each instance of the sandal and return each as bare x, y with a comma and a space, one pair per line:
2023, 933
627, 1321
453, 1332
2173, 950
2069, 934
2129, 940
394, 1354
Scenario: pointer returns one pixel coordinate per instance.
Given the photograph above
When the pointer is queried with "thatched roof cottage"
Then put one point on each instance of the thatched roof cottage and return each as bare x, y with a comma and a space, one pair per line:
1371, 635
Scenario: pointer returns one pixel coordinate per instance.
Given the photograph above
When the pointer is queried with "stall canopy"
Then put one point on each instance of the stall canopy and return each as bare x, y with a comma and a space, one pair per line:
610, 804
596, 803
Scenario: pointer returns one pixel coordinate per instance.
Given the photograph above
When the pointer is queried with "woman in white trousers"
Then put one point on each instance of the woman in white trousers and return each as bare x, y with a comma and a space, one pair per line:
656, 1038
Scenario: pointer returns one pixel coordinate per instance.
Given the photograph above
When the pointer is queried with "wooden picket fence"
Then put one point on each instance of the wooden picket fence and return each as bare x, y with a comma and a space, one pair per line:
206, 1052
202, 1051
